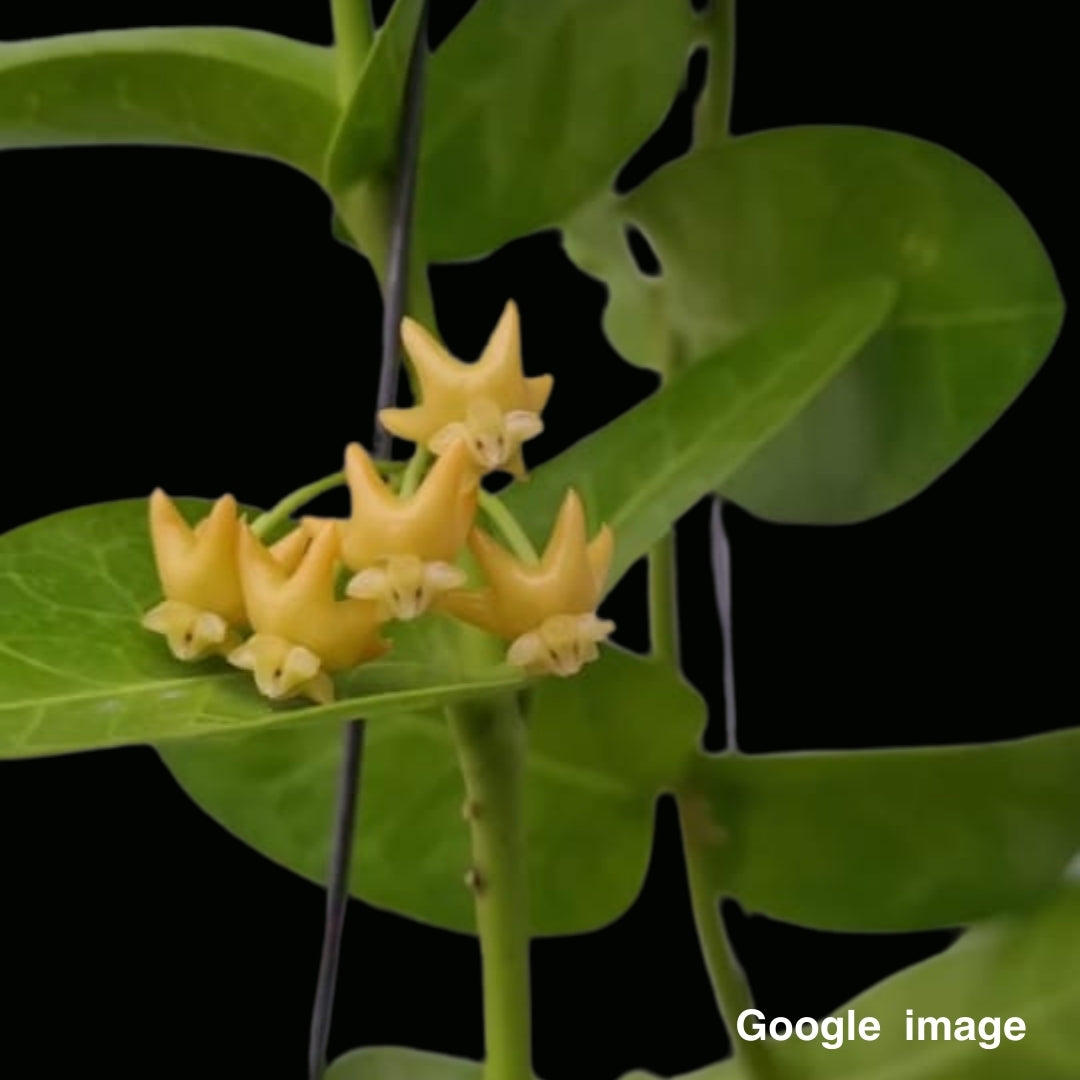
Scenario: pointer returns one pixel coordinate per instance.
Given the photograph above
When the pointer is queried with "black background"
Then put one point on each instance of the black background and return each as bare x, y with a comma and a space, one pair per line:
145, 291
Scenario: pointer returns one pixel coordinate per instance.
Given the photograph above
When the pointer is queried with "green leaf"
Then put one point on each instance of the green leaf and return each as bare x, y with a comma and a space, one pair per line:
897, 839
364, 148
744, 228
394, 1063
367, 134
1024, 966
648, 467
78, 672
216, 88
532, 108
602, 747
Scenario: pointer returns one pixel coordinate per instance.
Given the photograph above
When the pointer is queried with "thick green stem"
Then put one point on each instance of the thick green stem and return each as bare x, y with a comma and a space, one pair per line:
663, 600
729, 984
491, 742
353, 34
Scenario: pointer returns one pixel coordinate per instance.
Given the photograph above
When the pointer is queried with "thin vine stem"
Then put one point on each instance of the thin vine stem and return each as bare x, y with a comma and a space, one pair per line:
729, 983
509, 526
712, 117
349, 778
414, 471
277, 515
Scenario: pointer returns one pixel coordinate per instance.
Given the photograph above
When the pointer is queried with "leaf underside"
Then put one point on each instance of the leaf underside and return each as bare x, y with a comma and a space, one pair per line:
744, 228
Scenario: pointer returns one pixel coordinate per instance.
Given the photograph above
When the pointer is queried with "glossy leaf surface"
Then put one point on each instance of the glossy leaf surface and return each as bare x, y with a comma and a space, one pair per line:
744, 228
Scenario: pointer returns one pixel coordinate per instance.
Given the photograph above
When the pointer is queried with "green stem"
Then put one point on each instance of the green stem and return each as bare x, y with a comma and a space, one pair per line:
729, 984
663, 600
277, 515
712, 117
508, 525
266, 523
414, 471
354, 32
491, 744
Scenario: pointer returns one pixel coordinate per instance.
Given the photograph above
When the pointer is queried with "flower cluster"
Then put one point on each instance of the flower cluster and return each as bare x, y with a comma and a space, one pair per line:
275, 610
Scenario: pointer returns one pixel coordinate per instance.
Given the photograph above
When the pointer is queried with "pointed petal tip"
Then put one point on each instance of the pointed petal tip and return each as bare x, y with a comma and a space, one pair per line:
356, 452
538, 390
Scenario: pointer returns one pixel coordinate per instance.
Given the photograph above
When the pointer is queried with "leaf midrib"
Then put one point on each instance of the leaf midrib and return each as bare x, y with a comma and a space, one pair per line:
661, 478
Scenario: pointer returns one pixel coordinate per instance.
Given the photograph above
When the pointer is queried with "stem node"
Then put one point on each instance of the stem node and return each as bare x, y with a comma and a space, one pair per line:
491, 738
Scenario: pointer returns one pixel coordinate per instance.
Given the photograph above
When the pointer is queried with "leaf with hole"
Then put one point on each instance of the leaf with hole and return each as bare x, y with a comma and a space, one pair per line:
648, 467
744, 228
215, 88
893, 840
78, 671
602, 747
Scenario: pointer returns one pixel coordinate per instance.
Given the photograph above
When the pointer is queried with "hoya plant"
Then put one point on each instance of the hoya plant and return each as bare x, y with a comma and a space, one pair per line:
835, 315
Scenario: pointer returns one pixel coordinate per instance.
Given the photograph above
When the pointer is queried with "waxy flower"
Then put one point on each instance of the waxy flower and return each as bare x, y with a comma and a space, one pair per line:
302, 633
402, 547
204, 604
197, 568
490, 405
547, 610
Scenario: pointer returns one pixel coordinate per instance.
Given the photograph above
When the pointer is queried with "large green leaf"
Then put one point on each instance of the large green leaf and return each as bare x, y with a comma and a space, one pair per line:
1024, 966
532, 108
602, 746
395, 1063
645, 469
217, 88
898, 839
78, 672
744, 228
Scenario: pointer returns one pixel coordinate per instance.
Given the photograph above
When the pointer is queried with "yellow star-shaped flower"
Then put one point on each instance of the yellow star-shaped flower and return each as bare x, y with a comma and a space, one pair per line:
489, 404
302, 632
204, 602
548, 610
402, 548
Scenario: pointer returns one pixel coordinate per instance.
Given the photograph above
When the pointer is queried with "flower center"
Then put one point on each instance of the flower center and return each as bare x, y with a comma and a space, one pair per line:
405, 585
560, 645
